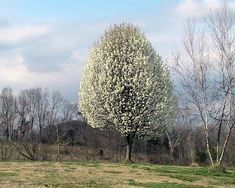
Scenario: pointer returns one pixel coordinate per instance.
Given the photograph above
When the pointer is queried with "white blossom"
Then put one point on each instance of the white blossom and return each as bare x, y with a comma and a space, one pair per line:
125, 84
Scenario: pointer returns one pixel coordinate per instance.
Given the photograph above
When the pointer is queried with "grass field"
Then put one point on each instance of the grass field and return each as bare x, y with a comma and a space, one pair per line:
103, 175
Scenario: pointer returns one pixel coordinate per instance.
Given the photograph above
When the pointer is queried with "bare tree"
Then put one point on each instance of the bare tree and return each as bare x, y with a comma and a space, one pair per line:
177, 134
53, 119
29, 108
41, 104
194, 77
7, 112
221, 24
69, 111
36, 112
207, 75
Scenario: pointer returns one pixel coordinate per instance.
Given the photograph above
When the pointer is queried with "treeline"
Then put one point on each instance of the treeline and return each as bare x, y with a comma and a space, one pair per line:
28, 120
37, 124
182, 143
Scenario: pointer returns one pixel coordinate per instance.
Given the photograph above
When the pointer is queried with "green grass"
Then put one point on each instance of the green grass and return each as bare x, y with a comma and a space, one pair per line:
183, 177
112, 172
162, 185
7, 174
200, 171
105, 175
191, 174
95, 183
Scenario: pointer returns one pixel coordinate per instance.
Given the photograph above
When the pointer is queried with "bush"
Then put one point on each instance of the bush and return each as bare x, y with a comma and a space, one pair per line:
217, 170
201, 156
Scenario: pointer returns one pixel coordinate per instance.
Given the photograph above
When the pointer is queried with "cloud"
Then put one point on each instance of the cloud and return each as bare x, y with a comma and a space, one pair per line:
15, 73
53, 55
3, 21
39, 59
196, 8
11, 68
11, 35
64, 44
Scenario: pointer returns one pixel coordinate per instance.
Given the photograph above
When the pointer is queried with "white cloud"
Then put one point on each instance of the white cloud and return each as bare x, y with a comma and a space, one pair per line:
13, 70
53, 55
196, 8
188, 8
11, 35
15, 73
3, 21
79, 55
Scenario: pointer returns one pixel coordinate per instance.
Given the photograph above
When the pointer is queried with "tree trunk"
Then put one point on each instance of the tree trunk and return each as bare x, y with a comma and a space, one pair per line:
218, 143
224, 146
58, 143
171, 148
128, 152
220, 127
208, 149
129, 148
207, 143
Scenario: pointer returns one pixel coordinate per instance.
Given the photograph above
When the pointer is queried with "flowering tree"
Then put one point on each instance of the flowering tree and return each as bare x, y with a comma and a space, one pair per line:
125, 85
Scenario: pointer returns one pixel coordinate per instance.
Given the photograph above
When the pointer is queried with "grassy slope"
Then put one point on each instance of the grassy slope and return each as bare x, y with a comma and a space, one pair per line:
103, 175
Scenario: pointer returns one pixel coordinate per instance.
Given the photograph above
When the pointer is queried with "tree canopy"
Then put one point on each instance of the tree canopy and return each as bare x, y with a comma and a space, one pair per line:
125, 84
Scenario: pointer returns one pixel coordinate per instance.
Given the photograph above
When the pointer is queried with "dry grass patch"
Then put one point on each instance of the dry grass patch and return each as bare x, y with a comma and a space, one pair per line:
104, 175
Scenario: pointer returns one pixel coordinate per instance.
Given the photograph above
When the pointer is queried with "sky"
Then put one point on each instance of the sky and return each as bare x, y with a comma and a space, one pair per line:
44, 43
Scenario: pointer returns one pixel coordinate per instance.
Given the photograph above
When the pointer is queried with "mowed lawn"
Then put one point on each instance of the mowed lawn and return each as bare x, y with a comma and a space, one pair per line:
103, 175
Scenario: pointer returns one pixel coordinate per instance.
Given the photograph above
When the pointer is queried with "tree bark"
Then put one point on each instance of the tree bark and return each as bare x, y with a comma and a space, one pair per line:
225, 145
58, 143
218, 142
129, 148
207, 143
171, 147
